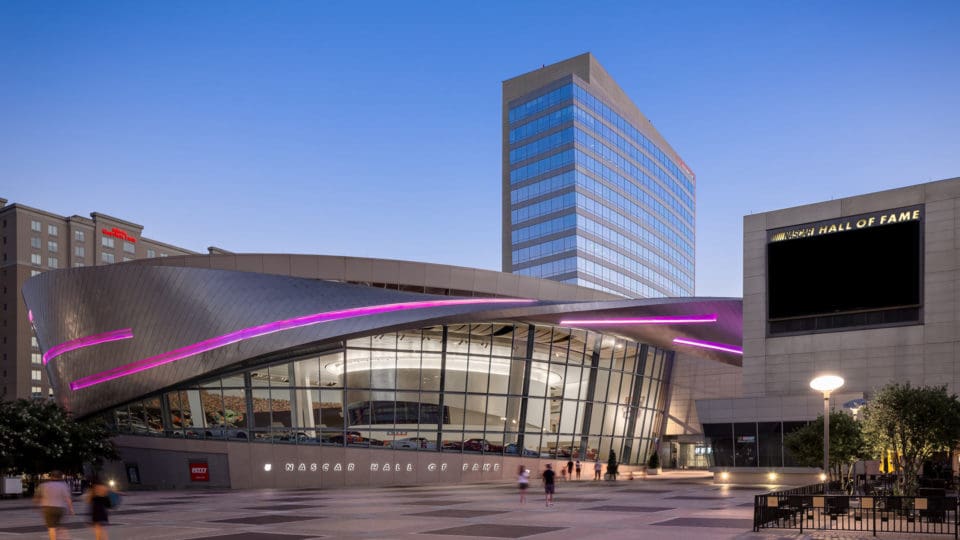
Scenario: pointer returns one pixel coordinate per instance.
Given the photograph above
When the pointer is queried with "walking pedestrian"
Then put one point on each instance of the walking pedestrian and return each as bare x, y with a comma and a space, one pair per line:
100, 501
578, 469
596, 469
523, 482
569, 469
53, 497
548, 484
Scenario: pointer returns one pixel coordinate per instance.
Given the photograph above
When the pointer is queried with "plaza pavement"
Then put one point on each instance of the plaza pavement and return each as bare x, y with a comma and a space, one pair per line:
675, 506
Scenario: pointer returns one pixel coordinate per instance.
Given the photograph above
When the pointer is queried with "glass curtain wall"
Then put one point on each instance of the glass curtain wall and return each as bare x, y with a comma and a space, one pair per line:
488, 388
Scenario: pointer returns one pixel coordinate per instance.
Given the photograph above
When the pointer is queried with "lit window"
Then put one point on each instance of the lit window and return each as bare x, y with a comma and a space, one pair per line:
36, 374
36, 259
36, 391
52, 230
107, 257
129, 247
35, 242
151, 253
78, 264
52, 246
34, 273
106, 241
34, 226
36, 359
79, 236
33, 342
53, 262
79, 251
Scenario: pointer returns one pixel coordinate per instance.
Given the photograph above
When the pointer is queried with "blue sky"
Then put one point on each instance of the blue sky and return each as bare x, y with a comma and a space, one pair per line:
373, 129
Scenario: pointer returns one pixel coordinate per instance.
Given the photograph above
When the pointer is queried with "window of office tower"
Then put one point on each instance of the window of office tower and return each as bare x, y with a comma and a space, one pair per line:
580, 168
459, 388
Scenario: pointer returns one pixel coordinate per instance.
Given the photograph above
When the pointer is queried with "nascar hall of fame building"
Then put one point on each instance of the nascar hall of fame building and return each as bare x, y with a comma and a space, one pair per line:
243, 371
863, 287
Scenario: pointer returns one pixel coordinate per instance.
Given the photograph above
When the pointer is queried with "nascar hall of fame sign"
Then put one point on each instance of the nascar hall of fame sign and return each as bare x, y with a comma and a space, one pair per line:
848, 223
304, 467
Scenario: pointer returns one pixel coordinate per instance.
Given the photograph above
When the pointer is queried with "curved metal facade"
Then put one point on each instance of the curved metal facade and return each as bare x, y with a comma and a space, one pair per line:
535, 374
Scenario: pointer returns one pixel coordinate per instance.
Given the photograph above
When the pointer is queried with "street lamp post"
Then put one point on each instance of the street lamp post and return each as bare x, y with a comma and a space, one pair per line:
826, 384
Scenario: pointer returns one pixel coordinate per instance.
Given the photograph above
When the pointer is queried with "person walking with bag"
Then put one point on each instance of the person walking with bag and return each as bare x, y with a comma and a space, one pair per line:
53, 497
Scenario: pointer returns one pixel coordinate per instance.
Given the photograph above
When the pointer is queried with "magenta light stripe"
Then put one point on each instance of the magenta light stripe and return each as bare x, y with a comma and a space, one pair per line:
673, 319
709, 345
87, 341
270, 328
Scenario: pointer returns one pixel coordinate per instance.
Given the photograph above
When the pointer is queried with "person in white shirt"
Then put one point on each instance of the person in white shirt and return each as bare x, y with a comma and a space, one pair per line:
53, 497
523, 482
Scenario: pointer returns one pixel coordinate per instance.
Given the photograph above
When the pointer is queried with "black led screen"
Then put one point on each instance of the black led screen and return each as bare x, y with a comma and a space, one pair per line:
874, 268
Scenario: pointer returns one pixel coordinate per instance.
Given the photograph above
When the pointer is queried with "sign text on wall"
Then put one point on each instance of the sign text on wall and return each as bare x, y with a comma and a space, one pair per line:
850, 223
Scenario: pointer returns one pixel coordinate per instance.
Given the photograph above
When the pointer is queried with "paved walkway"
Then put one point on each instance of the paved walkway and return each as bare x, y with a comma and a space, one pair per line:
674, 506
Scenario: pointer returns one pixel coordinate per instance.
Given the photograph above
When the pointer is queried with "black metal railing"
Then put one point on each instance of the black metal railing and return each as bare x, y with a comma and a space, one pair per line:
809, 507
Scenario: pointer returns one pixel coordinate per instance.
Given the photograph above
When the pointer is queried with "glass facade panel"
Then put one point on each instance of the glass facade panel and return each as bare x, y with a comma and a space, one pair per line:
577, 167
499, 388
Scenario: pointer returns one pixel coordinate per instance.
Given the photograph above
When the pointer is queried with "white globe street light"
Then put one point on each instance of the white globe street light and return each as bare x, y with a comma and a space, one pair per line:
826, 384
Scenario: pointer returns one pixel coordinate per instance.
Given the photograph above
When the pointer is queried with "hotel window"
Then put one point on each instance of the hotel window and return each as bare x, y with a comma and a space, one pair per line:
35, 242
129, 247
79, 251
36, 358
52, 262
151, 253
35, 259
52, 245
36, 391
34, 226
34, 273
107, 257
52, 230
106, 241
79, 236
36, 374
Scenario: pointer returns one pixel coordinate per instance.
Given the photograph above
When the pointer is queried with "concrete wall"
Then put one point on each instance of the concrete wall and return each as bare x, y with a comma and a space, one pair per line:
164, 464
696, 378
924, 354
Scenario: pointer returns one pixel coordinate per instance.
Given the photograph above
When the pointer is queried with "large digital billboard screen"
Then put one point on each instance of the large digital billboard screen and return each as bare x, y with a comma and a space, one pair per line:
858, 264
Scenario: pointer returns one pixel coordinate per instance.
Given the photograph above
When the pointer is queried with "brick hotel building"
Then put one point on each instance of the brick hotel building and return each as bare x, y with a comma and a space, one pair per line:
33, 241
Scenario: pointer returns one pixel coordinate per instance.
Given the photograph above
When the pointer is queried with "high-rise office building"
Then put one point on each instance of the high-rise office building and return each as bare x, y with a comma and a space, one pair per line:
592, 193
33, 241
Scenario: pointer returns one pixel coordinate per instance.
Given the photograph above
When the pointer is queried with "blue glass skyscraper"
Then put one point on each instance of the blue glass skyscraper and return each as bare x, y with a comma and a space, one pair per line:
592, 193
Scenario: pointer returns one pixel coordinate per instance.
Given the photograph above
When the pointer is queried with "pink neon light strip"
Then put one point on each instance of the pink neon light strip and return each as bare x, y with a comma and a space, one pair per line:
270, 328
680, 319
86, 341
709, 345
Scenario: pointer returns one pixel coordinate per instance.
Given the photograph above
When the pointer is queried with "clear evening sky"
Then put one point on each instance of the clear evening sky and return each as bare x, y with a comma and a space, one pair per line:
373, 128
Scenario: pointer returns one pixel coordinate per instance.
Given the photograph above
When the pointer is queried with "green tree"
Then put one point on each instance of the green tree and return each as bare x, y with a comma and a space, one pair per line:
846, 445
39, 436
915, 423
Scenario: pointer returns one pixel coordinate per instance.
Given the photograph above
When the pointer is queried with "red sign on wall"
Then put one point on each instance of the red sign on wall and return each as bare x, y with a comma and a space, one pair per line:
118, 233
199, 472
